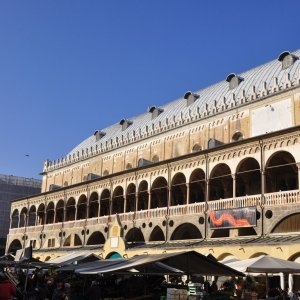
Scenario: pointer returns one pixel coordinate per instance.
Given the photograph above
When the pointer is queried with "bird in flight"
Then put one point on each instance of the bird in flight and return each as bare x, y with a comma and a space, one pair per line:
27, 155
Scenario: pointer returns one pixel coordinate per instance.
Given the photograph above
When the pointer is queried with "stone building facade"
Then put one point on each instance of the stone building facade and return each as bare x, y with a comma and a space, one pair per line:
148, 184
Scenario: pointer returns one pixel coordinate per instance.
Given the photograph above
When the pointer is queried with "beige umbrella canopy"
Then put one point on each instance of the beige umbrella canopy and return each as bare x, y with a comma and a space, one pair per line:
265, 264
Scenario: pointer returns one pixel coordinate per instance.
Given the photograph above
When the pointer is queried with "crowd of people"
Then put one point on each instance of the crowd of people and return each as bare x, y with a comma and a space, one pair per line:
44, 285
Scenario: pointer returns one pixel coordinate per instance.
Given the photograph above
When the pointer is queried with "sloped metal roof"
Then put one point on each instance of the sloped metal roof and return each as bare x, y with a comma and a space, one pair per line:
262, 77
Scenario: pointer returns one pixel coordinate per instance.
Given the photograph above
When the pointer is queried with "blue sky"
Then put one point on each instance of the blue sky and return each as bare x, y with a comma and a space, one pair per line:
70, 67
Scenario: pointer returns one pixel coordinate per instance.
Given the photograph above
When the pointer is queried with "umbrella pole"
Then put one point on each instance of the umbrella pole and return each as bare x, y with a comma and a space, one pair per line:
267, 285
26, 282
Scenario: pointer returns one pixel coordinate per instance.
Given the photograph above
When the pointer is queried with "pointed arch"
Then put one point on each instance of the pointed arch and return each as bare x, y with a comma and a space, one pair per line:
77, 240
186, 231
135, 235
157, 235
96, 238
290, 223
67, 242
14, 246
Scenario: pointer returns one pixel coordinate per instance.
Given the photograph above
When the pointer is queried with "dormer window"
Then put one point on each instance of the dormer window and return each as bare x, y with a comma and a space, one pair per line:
287, 59
99, 135
190, 98
238, 136
155, 111
125, 123
233, 80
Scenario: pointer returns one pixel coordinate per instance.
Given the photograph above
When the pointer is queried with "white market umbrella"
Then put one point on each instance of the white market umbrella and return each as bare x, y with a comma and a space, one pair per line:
265, 264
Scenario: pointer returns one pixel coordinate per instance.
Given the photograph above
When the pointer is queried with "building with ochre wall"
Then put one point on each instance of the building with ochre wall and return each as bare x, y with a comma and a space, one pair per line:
216, 171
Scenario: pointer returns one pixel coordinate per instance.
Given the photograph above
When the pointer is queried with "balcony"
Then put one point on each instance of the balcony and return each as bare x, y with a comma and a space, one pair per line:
270, 199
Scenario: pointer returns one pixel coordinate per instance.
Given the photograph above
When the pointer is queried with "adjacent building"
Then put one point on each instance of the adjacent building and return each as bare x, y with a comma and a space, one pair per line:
11, 188
216, 170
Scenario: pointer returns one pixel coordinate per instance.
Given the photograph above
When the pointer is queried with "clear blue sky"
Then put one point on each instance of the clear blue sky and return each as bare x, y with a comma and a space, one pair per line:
70, 67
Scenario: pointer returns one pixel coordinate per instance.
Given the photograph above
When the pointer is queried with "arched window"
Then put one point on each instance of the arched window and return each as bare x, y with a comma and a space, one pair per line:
238, 136
196, 148
159, 193
104, 203
178, 190
155, 159
118, 201
143, 195
93, 205
130, 197
220, 182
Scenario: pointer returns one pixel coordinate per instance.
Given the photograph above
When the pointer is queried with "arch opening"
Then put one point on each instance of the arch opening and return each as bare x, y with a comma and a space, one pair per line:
104, 203
290, 223
130, 198
41, 214
186, 231
118, 201
157, 235
197, 186
59, 215
143, 196
15, 219
14, 246
70, 209
50, 213
23, 217
96, 238
248, 178
81, 208
32, 216
159, 193
135, 235
220, 182
281, 173
178, 190
94, 205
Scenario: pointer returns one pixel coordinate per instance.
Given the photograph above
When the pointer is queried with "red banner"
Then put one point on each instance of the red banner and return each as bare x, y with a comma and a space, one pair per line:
233, 218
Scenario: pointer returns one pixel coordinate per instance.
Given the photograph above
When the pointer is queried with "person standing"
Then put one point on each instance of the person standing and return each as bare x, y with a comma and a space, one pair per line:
7, 289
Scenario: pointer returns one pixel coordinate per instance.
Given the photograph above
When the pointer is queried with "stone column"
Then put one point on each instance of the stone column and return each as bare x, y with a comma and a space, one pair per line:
136, 201
99, 202
125, 204
54, 216
263, 185
149, 199
233, 185
298, 165
187, 193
